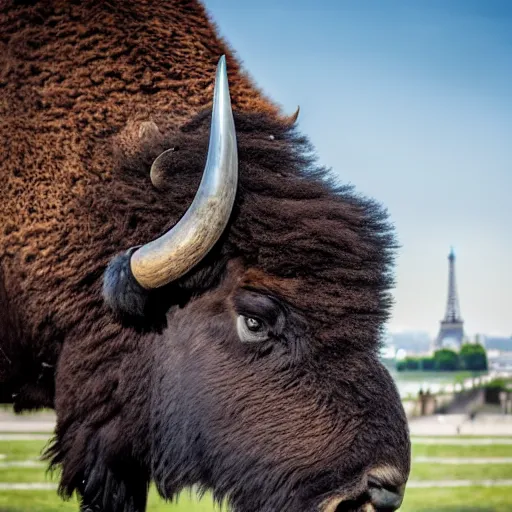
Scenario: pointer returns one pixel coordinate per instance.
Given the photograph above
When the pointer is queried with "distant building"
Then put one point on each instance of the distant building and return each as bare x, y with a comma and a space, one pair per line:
499, 353
502, 344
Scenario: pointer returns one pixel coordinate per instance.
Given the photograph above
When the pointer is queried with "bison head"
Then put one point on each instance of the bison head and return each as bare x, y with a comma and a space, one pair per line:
265, 384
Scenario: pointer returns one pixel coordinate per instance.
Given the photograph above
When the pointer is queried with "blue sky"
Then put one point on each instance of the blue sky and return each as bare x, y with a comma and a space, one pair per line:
411, 101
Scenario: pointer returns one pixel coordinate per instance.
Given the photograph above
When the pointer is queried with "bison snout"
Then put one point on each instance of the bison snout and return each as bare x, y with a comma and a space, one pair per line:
385, 497
379, 495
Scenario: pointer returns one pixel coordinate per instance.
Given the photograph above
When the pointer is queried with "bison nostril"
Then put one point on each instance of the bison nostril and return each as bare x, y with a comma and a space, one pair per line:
384, 497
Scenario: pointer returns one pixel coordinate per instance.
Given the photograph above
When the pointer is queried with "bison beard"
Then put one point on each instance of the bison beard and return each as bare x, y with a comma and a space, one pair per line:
163, 389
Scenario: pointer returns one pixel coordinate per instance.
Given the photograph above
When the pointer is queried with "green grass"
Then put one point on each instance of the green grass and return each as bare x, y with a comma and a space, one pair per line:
435, 471
37, 501
22, 450
475, 499
48, 501
450, 450
27, 475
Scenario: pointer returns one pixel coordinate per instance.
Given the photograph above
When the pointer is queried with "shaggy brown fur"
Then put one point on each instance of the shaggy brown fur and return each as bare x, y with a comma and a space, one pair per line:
72, 74
174, 396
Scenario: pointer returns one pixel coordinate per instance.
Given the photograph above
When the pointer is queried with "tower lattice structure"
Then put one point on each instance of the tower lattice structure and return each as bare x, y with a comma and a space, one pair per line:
451, 331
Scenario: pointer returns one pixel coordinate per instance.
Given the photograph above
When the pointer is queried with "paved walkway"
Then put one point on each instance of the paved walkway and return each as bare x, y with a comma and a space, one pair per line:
25, 437
23, 464
38, 422
27, 486
447, 425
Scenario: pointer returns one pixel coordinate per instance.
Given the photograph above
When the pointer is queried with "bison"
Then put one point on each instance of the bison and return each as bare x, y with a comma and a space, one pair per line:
197, 298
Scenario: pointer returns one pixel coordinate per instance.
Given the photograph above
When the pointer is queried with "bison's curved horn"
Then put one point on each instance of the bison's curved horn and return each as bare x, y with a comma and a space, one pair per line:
176, 252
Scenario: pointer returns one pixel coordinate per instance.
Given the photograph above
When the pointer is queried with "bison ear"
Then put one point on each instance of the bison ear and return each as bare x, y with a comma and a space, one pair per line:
158, 173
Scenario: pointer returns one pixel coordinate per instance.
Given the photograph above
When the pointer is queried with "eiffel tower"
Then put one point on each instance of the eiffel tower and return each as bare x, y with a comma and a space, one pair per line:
451, 333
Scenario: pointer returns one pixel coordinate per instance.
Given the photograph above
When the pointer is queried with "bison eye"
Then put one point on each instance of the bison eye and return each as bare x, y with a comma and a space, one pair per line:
253, 324
251, 330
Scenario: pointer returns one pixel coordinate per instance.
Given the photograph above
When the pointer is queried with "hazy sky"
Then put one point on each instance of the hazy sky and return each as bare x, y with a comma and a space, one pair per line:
411, 101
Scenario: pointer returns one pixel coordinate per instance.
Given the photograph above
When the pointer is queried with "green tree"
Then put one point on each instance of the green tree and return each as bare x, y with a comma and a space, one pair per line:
409, 364
446, 360
401, 366
412, 363
428, 363
473, 357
